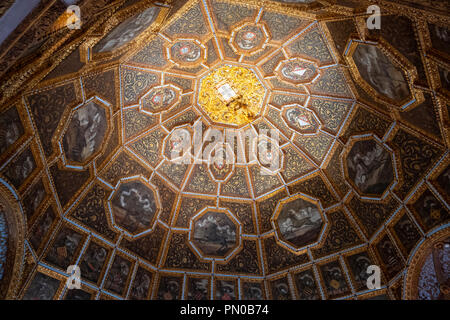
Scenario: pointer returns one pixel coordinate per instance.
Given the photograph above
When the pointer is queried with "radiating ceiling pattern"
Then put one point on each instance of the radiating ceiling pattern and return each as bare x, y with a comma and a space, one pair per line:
362, 121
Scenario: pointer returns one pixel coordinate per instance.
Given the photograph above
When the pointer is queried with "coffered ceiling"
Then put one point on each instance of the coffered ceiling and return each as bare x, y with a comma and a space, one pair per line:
362, 120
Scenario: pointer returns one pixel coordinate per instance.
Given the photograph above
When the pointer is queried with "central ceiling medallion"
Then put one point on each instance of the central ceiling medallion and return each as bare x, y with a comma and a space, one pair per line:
231, 95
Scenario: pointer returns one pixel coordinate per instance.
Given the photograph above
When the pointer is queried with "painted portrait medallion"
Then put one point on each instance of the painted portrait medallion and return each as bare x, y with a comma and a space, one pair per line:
215, 234
370, 167
380, 72
299, 222
85, 133
134, 207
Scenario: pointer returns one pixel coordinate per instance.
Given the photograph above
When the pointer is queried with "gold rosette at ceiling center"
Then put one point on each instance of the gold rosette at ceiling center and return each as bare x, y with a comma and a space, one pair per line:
242, 101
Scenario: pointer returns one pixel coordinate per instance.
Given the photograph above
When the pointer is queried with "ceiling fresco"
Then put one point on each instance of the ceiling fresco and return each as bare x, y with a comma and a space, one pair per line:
357, 119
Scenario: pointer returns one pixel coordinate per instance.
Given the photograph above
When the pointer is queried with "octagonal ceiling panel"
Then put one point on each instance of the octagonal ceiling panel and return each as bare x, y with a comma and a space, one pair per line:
297, 71
383, 72
231, 95
135, 206
298, 222
370, 167
387, 78
215, 234
249, 38
127, 30
186, 52
160, 99
87, 130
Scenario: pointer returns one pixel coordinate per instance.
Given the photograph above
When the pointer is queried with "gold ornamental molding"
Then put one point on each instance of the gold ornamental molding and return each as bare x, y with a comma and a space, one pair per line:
16, 226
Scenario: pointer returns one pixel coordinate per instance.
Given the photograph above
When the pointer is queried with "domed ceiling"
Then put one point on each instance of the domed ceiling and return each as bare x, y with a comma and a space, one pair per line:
349, 167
